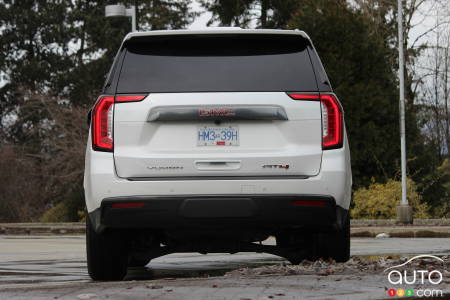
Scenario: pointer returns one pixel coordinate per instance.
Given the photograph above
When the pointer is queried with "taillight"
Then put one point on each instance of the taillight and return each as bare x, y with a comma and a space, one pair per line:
305, 96
332, 123
102, 122
130, 98
332, 120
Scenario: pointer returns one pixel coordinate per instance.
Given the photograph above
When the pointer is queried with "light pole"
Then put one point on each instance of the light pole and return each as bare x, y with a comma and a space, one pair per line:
119, 10
404, 210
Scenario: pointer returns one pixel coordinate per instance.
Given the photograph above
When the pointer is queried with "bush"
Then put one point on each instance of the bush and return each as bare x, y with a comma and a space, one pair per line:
379, 201
57, 213
437, 188
68, 210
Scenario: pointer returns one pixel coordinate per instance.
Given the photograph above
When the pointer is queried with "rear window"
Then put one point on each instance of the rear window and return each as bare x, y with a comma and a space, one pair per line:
217, 63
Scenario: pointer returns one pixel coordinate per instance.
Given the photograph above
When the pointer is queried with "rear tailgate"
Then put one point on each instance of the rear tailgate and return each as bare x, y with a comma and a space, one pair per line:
233, 87
171, 148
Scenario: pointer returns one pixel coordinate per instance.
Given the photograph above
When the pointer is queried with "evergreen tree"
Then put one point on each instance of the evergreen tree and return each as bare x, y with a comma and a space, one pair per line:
54, 51
358, 65
229, 12
240, 13
65, 49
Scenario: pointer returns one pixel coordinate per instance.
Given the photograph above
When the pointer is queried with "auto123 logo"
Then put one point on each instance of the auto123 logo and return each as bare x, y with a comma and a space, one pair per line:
406, 280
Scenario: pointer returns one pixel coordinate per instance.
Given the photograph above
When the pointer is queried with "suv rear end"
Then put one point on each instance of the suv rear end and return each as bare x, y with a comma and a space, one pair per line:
211, 141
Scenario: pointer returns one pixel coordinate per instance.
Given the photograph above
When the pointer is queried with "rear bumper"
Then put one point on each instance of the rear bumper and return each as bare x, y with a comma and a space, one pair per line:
101, 182
102, 185
271, 212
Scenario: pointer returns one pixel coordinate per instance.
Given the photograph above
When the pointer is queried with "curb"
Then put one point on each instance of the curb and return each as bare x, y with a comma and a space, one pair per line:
359, 228
41, 228
393, 222
402, 231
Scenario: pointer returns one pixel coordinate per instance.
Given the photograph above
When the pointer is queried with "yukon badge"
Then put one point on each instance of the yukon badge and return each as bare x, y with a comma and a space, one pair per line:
164, 168
276, 167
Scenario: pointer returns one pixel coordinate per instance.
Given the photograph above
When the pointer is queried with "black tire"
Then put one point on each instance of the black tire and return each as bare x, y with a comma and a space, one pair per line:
292, 246
335, 245
107, 254
325, 245
137, 263
342, 251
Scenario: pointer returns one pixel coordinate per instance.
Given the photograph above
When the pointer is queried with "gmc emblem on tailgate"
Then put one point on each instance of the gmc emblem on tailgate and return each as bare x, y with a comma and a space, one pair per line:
216, 112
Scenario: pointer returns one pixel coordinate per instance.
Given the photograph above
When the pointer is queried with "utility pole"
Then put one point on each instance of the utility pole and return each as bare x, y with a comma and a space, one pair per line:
136, 14
404, 210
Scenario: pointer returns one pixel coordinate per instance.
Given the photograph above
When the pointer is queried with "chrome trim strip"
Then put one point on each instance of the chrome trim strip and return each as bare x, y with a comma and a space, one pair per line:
176, 178
216, 112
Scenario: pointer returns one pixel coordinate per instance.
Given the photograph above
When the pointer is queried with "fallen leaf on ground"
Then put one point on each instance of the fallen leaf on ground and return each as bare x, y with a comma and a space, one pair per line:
86, 296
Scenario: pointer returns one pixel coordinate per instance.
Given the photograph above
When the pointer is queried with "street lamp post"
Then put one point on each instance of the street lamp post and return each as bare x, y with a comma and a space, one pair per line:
404, 210
119, 10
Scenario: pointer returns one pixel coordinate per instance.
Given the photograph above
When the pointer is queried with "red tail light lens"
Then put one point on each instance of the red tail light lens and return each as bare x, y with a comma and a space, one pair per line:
332, 118
305, 96
102, 122
332, 123
130, 98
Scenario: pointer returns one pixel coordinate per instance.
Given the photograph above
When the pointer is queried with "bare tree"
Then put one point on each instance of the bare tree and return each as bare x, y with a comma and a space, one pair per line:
36, 176
433, 71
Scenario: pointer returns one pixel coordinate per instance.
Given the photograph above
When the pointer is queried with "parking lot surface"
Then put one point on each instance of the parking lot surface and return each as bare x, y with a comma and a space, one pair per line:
54, 267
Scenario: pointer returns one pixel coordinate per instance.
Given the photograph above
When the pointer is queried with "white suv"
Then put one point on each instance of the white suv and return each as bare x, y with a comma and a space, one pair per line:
212, 141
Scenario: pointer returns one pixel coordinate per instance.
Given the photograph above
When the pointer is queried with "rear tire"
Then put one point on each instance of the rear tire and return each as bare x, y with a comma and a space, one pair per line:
107, 254
335, 245
137, 263
293, 245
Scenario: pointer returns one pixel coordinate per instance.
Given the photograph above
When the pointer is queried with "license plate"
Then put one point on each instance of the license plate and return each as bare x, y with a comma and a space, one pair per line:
217, 136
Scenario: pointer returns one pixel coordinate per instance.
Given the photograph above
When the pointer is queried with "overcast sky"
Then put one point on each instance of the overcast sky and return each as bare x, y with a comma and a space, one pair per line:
200, 22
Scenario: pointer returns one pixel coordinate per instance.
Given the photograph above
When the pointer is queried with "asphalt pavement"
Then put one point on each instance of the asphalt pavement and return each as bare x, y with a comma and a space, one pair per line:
54, 267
